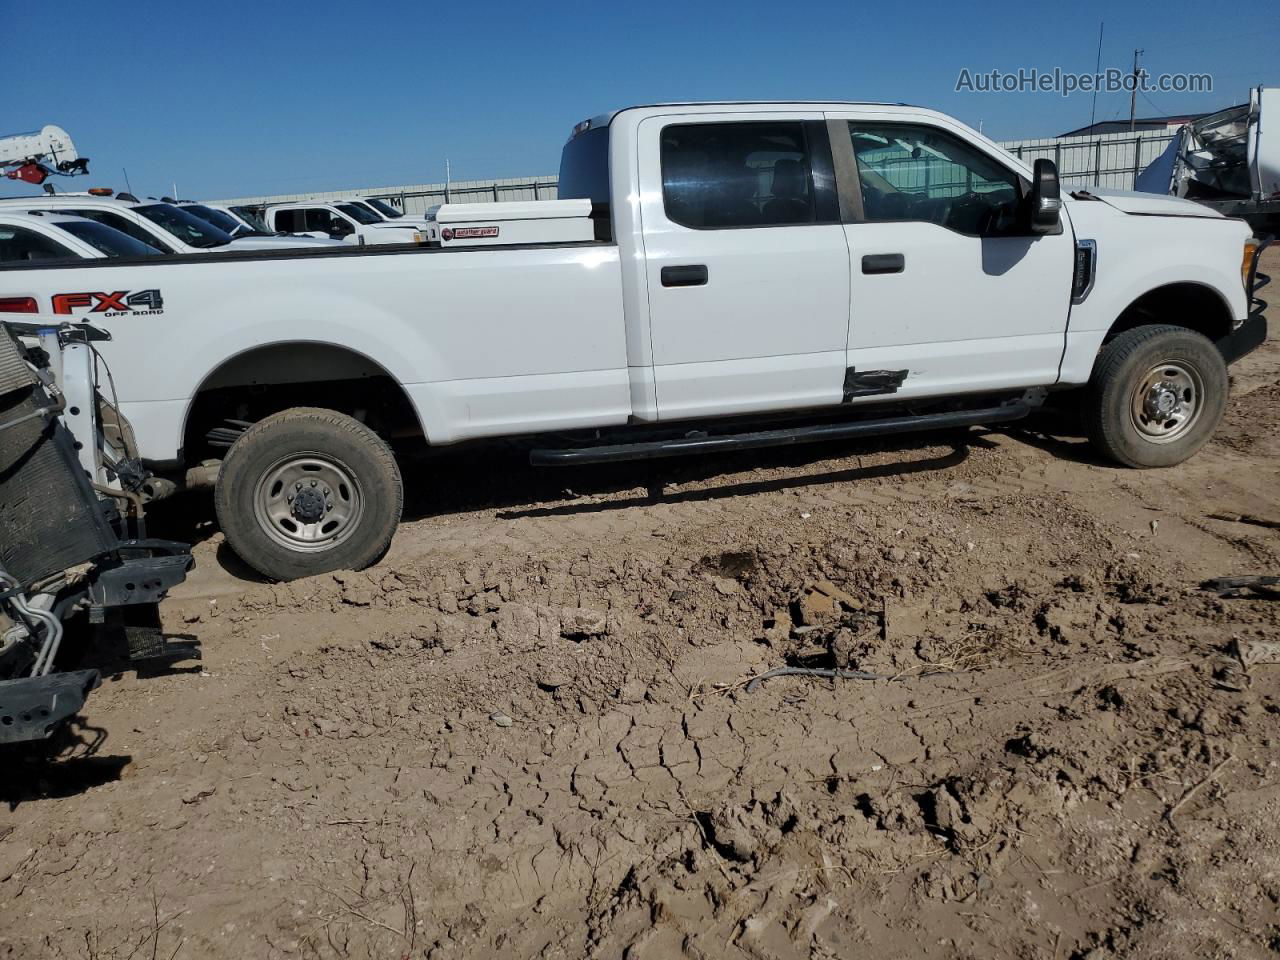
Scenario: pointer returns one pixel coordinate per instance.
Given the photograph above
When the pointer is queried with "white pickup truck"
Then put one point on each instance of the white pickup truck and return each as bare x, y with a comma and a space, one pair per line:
352, 223
716, 276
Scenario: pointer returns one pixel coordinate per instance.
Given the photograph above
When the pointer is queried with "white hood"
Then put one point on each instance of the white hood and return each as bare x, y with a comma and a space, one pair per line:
1151, 204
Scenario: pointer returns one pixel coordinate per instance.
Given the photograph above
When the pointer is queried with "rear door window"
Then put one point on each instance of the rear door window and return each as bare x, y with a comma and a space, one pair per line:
124, 225
290, 221
738, 174
107, 240
20, 245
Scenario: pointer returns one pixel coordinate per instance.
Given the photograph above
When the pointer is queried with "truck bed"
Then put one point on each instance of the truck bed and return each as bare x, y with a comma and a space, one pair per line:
485, 341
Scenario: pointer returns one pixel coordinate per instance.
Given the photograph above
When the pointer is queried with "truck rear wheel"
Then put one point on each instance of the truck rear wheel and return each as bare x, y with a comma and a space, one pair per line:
1156, 396
307, 491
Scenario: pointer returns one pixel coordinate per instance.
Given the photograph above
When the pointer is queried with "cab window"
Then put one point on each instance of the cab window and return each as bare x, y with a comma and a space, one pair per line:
359, 214
318, 219
913, 172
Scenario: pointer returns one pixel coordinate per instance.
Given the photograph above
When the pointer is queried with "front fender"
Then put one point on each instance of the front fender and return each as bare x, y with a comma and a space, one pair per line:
1139, 254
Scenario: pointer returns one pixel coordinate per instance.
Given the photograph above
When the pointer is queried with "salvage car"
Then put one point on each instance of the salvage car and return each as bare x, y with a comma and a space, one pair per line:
716, 276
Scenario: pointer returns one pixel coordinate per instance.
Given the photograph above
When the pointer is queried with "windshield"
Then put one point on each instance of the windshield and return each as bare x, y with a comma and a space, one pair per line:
187, 228
223, 221
107, 240
384, 208
358, 213
252, 219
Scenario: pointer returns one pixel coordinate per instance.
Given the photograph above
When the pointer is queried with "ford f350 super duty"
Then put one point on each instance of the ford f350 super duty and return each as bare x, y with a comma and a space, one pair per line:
714, 276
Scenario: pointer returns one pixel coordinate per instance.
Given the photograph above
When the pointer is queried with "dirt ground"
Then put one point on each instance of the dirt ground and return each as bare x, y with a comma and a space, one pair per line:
527, 734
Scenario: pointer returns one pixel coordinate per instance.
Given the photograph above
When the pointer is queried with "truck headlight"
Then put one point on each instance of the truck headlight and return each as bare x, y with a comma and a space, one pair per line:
1246, 263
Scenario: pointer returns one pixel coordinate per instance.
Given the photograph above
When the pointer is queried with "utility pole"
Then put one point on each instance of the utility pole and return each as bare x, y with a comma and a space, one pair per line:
1097, 69
1133, 94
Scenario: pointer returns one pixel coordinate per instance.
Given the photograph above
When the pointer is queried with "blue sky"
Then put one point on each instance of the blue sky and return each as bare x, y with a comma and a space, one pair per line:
236, 98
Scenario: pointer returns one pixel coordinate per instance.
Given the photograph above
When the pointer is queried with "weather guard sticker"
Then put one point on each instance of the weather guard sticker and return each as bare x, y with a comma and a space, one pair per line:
468, 233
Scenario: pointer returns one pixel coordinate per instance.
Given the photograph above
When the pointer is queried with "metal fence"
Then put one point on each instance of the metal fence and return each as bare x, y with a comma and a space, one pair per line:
418, 198
1102, 160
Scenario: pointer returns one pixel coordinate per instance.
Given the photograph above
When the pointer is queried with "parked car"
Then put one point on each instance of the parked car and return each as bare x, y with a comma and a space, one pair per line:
350, 222
41, 237
165, 227
859, 268
238, 228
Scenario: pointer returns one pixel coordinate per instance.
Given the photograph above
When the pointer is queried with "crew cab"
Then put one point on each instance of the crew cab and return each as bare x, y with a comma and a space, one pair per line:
164, 226
350, 222
714, 276
42, 237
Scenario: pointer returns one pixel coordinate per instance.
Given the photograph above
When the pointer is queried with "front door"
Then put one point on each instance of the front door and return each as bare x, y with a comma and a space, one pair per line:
948, 292
747, 266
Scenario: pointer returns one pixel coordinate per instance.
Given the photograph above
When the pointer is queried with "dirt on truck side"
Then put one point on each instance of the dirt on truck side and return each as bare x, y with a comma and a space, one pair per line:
529, 731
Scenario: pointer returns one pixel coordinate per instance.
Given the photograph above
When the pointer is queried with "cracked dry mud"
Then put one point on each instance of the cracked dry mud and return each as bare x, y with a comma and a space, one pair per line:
525, 733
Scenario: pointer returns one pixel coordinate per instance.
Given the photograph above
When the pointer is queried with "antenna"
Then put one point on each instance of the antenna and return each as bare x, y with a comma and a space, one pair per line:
128, 186
1097, 68
1133, 94
447, 177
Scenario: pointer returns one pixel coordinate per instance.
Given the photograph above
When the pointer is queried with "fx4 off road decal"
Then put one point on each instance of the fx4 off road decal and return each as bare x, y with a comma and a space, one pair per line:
121, 303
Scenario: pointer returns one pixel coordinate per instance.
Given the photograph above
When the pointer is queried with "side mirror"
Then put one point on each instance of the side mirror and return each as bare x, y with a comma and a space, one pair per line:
1044, 201
340, 228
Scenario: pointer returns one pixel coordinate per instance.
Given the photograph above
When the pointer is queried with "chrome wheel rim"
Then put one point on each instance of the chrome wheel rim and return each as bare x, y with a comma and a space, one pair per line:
308, 502
1167, 401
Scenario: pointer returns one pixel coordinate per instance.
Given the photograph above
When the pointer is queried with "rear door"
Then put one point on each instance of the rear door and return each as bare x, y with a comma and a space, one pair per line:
20, 247
948, 292
747, 269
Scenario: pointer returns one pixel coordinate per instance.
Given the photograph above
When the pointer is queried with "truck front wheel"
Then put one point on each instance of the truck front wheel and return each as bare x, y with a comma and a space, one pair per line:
1156, 395
307, 491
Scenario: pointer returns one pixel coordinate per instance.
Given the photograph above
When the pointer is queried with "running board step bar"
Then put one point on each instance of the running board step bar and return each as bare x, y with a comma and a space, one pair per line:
702, 443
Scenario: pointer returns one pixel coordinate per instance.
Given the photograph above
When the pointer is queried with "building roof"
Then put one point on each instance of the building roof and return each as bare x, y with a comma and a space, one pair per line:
1141, 123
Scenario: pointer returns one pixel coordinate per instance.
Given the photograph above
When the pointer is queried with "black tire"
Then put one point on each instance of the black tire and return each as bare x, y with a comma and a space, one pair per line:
344, 520
1123, 410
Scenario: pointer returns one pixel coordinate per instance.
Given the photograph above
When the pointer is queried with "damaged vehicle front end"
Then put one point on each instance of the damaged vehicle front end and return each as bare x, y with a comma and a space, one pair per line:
73, 543
1229, 161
